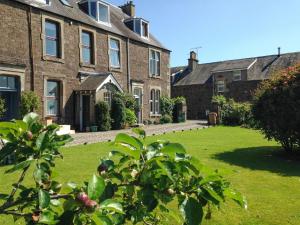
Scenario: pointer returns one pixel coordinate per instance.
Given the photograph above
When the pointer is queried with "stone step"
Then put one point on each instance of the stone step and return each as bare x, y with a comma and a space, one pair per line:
65, 129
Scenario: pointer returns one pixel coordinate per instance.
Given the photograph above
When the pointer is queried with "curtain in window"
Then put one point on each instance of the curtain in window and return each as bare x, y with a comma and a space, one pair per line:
114, 53
52, 38
52, 96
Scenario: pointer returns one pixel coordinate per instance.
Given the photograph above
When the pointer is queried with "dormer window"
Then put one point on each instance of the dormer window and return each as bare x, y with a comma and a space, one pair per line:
98, 10
138, 26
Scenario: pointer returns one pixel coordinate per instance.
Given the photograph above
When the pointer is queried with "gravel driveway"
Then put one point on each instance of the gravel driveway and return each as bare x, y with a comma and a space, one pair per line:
89, 138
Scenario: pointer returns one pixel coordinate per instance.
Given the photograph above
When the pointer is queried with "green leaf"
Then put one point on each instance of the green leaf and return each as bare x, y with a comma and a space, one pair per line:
191, 211
173, 148
40, 176
96, 187
101, 220
30, 119
166, 170
41, 140
236, 196
20, 166
139, 132
44, 199
127, 140
136, 154
211, 178
112, 205
7, 150
48, 217
213, 194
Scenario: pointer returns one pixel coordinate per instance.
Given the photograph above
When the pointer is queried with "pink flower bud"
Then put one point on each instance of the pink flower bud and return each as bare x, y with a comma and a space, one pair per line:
83, 197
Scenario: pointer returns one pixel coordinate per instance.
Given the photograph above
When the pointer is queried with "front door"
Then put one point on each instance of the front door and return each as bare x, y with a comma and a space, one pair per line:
85, 111
9, 93
138, 94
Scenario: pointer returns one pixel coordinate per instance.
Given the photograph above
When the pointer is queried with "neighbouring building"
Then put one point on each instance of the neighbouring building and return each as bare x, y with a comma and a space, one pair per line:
236, 79
74, 53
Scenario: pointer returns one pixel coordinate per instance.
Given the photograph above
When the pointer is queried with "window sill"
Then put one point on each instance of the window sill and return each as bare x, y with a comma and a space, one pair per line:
87, 65
53, 59
155, 115
115, 69
155, 76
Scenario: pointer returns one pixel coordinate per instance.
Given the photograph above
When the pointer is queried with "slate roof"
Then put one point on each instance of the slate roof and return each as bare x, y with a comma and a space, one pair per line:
75, 13
261, 68
92, 82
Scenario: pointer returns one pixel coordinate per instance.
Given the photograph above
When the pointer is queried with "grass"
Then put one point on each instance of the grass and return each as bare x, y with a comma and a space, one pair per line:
256, 167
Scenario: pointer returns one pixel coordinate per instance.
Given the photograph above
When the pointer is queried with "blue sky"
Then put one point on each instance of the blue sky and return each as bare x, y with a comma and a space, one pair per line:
225, 29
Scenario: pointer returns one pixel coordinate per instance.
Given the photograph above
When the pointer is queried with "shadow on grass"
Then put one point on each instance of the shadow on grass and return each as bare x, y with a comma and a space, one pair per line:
272, 159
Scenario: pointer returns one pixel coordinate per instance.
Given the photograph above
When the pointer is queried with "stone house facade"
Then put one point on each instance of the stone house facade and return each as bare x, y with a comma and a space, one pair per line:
237, 79
57, 47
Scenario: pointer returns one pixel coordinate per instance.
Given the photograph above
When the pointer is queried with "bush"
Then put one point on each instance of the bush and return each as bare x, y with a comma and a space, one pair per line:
30, 102
129, 100
135, 183
118, 113
166, 106
179, 116
2, 107
233, 113
130, 117
103, 120
166, 119
277, 108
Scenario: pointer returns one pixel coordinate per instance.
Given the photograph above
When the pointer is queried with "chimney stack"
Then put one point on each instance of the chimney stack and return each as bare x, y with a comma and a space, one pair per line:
279, 51
129, 9
193, 61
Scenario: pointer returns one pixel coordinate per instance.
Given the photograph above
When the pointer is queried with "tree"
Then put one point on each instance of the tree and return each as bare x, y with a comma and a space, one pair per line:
118, 113
277, 108
135, 182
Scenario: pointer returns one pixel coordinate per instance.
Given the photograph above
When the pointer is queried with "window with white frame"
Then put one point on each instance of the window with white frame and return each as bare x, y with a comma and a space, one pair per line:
107, 97
221, 86
103, 12
114, 53
155, 101
52, 98
52, 38
154, 63
237, 75
145, 29
87, 47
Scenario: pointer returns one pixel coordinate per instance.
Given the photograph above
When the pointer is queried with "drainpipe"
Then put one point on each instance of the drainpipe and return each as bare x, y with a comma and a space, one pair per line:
29, 19
128, 65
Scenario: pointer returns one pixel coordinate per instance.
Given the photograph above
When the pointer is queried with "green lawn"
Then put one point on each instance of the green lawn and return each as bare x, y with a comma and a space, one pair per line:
256, 167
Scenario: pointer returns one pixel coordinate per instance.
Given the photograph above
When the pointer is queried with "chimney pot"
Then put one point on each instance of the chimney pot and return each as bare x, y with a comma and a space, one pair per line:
129, 8
279, 51
193, 60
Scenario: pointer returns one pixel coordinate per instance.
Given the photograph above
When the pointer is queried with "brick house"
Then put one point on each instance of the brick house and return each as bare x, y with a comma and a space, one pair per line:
235, 79
74, 53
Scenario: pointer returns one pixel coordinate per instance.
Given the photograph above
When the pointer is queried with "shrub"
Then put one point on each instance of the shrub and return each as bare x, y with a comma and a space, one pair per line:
30, 102
2, 107
166, 106
103, 120
233, 113
130, 117
135, 183
129, 100
118, 113
277, 108
166, 119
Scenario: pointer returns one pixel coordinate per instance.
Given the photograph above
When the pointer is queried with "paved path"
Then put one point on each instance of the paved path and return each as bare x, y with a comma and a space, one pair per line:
89, 138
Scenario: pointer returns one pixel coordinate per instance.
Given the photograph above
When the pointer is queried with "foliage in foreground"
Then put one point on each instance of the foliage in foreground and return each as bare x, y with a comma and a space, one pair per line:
134, 183
2, 107
233, 113
277, 108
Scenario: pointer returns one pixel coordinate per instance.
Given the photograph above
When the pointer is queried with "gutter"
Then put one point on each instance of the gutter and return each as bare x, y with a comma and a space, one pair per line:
29, 20
128, 65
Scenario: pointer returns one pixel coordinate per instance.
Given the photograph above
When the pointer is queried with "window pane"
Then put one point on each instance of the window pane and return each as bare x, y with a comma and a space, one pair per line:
93, 9
3, 81
51, 29
52, 106
114, 44
114, 58
86, 55
52, 89
51, 47
145, 29
11, 82
103, 13
86, 39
